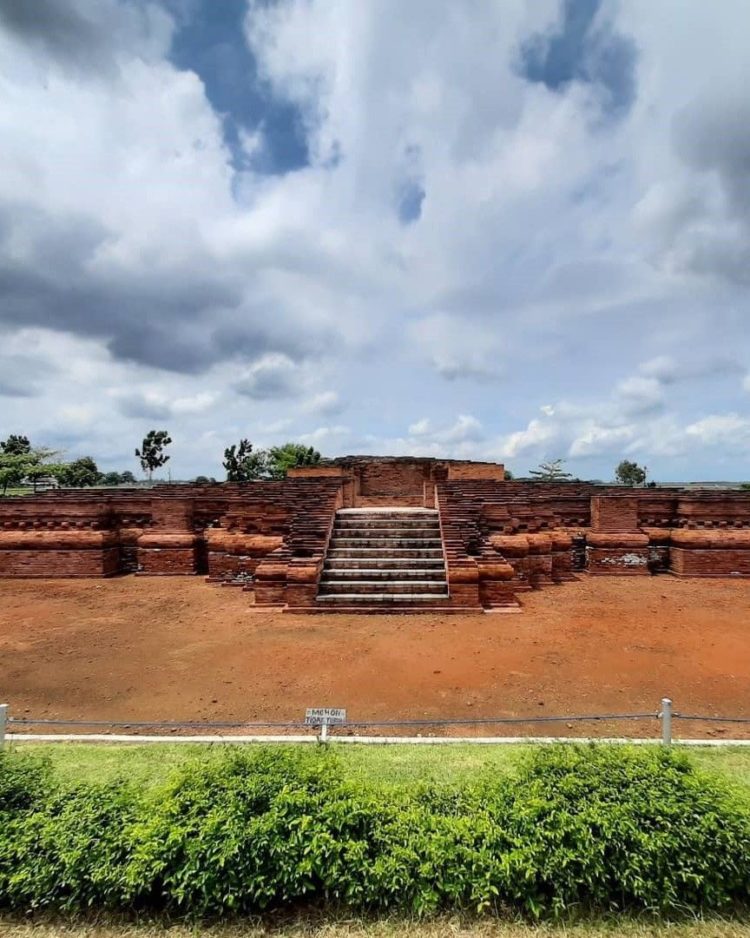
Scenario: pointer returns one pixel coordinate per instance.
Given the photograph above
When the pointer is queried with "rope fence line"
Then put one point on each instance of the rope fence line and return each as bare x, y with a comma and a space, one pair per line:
692, 716
154, 724
438, 721
665, 715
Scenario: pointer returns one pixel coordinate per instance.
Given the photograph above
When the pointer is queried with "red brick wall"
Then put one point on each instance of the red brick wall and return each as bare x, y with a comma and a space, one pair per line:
394, 478
314, 472
617, 513
490, 471
489, 527
59, 563
697, 562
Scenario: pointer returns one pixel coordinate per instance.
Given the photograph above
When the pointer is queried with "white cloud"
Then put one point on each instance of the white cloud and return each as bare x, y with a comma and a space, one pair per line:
721, 430
595, 440
537, 437
465, 429
641, 394
456, 350
326, 402
572, 285
662, 368
322, 435
274, 376
420, 428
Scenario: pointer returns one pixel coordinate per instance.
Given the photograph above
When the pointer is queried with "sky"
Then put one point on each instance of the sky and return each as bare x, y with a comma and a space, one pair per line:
503, 230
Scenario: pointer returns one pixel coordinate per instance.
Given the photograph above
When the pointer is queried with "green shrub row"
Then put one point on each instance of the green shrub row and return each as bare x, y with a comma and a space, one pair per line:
592, 828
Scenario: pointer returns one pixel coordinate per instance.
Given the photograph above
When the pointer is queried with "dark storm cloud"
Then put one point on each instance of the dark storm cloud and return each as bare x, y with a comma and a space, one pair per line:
182, 320
259, 328
10, 389
712, 137
23, 376
62, 28
81, 36
580, 49
22, 372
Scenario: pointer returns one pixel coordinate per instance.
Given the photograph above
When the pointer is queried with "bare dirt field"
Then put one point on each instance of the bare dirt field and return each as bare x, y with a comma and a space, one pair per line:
180, 649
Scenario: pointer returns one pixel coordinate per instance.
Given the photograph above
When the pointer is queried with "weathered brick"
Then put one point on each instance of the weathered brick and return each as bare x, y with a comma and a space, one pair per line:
500, 538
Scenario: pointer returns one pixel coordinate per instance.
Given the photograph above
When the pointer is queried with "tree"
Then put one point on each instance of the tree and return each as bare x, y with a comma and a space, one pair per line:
151, 453
81, 473
551, 472
630, 473
509, 477
289, 456
16, 445
20, 462
13, 460
12, 470
118, 478
242, 464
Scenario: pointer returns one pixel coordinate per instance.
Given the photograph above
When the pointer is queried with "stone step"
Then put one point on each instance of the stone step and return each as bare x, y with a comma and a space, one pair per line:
384, 558
387, 513
431, 606
382, 586
389, 536
386, 522
363, 599
380, 517
392, 573
385, 563
385, 530
381, 530
373, 553
387, 542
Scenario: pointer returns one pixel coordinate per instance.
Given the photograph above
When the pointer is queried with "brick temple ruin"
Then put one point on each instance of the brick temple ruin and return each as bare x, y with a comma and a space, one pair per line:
379, 534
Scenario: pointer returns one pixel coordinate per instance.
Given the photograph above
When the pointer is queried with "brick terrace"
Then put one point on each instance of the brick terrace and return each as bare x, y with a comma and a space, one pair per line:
497, 539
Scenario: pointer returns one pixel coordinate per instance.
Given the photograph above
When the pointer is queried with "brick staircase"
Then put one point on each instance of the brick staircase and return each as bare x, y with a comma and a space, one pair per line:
384, 559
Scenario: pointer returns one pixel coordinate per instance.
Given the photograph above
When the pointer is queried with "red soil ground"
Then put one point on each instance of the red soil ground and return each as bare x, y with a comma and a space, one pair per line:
176, 649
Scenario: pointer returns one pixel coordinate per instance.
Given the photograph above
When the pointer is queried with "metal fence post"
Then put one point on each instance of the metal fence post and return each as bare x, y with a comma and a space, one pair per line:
666, 721
3, 723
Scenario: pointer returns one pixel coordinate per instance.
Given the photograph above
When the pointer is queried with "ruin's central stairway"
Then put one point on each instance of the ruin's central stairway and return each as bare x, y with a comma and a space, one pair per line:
384, 557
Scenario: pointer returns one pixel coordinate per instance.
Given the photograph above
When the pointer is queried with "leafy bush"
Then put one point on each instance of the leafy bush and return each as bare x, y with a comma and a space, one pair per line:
24, 782
591, 827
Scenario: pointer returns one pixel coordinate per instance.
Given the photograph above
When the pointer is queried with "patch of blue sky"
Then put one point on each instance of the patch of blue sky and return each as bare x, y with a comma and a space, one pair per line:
411, 196
587, 49
209, 40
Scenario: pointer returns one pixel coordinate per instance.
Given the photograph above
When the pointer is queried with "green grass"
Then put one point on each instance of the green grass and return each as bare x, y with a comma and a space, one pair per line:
150, 764
733, 762
308, 927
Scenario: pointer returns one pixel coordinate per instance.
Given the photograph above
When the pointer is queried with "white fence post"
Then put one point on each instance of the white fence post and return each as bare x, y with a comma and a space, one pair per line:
666, 721
323, 738
3, 723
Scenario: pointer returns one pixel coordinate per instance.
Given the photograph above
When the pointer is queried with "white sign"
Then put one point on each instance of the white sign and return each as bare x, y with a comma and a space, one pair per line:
324, 716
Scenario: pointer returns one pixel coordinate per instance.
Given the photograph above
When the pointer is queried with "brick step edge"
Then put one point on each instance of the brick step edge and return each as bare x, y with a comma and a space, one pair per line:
400, 598
389, 609
408, 573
